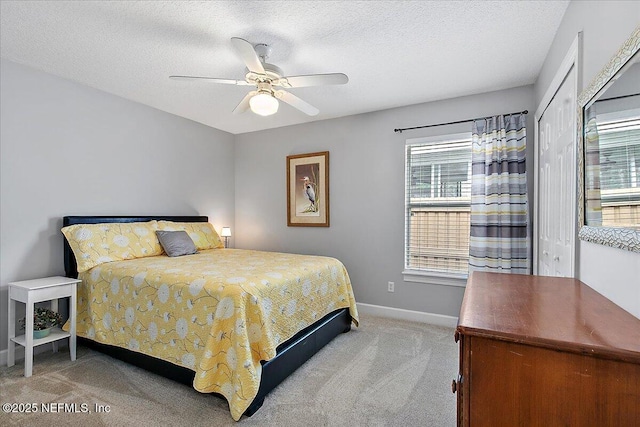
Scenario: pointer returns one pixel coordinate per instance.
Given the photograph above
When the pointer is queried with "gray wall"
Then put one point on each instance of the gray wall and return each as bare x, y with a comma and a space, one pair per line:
366, 192
67, 149
605, 25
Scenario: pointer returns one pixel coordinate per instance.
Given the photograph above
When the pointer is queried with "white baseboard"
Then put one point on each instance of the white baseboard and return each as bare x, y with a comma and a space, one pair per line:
4, 353
402, 314
20, 352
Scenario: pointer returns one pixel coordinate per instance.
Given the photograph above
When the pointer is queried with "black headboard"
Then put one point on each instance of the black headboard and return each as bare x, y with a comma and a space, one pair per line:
70, 266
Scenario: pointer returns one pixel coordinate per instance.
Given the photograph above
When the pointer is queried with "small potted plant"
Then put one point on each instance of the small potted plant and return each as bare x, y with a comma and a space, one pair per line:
43, 320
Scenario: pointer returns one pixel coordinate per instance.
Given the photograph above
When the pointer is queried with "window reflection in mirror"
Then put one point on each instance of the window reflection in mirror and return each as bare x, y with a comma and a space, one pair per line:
612, 152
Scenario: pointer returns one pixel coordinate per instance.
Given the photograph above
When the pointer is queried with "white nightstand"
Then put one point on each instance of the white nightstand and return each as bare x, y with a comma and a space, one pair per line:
31, 292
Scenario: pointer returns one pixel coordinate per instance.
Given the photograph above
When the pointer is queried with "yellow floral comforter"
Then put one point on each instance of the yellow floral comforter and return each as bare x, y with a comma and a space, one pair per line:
219, 312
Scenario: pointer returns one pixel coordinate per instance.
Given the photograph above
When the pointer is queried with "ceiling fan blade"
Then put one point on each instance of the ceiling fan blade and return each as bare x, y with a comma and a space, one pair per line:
248, 55
244, 104
296, 102
212, 80
315, 80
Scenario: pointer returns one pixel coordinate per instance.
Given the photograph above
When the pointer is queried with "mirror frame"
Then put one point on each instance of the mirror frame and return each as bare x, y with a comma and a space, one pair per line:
622, 238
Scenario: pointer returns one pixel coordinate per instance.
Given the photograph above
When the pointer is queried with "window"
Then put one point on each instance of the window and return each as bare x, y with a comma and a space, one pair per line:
437, 204
619, 142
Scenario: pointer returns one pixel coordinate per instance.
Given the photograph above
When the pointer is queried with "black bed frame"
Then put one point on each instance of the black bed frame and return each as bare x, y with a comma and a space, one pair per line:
290, 355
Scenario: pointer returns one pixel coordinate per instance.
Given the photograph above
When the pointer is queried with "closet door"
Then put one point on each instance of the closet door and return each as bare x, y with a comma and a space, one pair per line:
556, 210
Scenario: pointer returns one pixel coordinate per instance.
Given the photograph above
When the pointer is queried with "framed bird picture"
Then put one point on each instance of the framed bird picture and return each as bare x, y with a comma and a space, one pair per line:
308, 190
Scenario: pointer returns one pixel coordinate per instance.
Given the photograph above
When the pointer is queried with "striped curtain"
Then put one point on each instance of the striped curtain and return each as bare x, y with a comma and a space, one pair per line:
499, 238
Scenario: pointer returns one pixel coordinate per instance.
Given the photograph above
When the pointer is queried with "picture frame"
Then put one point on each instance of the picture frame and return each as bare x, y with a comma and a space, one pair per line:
308, 190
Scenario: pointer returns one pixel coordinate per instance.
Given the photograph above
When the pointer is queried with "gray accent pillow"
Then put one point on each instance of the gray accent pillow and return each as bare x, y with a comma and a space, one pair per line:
176, 243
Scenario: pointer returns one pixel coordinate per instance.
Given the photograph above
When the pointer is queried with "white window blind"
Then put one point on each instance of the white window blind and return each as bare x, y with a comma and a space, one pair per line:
437, 204
619, 143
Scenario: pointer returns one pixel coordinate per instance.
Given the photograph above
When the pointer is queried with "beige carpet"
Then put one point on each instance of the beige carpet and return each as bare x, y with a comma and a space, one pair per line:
385, 373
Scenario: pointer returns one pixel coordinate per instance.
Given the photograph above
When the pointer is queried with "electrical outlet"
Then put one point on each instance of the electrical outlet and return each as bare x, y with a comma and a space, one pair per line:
391, 287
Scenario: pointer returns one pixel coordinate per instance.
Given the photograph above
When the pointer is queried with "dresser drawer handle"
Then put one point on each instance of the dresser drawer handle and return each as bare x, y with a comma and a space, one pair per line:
454, 386
456, 336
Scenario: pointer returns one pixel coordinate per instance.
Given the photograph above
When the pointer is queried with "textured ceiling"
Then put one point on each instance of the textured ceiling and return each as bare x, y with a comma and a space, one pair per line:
395, 52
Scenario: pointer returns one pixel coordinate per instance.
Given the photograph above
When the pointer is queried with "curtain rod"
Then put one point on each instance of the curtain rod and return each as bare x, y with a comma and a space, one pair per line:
455, 123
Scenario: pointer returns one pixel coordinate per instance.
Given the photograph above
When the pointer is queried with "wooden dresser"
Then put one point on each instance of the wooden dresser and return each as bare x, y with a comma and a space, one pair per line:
545, 351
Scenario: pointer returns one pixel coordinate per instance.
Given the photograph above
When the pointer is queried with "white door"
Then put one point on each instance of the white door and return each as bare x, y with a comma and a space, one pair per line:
557, 182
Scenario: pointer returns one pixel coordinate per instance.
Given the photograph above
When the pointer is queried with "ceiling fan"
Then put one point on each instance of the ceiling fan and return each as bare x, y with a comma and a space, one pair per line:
265, 77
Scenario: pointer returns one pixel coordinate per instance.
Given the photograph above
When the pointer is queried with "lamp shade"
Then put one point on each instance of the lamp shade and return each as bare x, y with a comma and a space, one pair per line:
263, 104
226, 232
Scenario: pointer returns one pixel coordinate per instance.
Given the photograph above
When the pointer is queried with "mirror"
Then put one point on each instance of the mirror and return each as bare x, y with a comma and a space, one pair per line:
609, 152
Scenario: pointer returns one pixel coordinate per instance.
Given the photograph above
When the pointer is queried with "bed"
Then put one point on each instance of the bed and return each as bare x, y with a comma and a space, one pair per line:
248, 316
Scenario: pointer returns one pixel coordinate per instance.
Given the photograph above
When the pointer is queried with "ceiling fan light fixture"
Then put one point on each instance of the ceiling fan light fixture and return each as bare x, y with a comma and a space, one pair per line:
267, 78
264, 104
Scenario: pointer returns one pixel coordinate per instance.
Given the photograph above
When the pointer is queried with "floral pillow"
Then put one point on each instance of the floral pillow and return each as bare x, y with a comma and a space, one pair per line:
202, 233
95, 244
